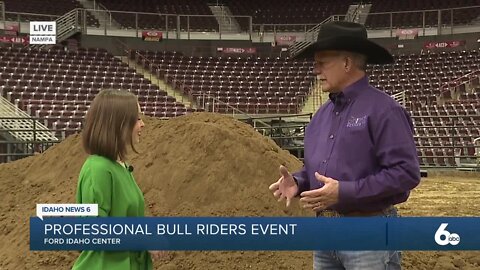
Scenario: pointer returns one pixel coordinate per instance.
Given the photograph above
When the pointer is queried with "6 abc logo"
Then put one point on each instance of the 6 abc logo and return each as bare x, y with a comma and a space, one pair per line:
444, 237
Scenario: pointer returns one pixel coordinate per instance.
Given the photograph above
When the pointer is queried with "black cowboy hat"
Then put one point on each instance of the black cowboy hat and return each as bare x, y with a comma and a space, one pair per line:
347, 36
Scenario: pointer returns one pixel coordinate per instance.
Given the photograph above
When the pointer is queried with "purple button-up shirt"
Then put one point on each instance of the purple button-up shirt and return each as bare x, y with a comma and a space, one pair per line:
364, 139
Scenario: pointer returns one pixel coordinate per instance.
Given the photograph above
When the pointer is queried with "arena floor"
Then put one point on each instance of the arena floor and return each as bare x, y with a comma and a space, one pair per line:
205, 165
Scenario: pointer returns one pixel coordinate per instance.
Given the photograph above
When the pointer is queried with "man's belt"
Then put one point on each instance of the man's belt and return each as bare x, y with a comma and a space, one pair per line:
332, 213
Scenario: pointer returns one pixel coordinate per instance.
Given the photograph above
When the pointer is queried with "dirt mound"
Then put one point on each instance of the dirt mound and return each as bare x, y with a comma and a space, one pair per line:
205, 164
196, 165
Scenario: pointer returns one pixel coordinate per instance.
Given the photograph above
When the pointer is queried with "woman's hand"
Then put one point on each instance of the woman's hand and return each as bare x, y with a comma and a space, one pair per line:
159, 254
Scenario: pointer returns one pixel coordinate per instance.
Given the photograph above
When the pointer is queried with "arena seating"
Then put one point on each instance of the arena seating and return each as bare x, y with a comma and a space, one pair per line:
448, 130
153, 21
50, 7
421, 75
252, 85
442, 128
402, 20
58, 85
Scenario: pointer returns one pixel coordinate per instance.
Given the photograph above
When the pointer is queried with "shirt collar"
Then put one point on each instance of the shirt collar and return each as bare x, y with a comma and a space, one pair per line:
354, 89
350, 92
337, 98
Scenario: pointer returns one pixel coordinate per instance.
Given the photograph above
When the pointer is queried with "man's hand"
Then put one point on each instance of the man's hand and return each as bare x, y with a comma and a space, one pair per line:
285, 187
321, 198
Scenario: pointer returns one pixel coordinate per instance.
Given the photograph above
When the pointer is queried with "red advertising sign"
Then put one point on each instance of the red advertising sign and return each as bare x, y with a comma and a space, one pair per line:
406, 33
152, 35
285, 40
444, 44
238, 50
17, 40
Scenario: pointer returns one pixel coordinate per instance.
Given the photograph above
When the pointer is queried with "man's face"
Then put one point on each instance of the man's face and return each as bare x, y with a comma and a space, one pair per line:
330, 70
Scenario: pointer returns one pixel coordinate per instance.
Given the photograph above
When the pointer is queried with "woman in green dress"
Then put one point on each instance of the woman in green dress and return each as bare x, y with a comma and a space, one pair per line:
112, 126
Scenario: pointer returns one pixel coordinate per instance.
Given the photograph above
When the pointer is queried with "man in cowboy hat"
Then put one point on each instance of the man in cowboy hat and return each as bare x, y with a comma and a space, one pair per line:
360, 155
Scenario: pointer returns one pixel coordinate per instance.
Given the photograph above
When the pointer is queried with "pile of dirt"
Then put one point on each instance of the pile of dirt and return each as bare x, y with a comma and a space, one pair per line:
197, 165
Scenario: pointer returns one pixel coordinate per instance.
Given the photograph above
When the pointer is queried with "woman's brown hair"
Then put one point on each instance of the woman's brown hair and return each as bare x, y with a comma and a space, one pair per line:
109, 124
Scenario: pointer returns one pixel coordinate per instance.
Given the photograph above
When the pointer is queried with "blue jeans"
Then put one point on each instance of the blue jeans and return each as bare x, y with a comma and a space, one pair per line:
358, 260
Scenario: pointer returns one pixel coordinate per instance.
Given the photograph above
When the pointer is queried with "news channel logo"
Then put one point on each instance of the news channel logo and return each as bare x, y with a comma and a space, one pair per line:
444, 237
43, 33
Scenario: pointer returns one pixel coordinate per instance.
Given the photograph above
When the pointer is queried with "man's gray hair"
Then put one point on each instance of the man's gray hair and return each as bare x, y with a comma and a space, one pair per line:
359, 60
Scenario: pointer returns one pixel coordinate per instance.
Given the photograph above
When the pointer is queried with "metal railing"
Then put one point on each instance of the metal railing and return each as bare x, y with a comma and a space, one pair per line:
179, 26
303, 117
453, 89
351, 17
125, 23
454, 150
2, 10
174, 26
311, 36
68, 24
476, 143
22, 19
287, 131
212, 104
462, 150
26, 140
14, 150
400, 97
440, 21
458, 150
14, 118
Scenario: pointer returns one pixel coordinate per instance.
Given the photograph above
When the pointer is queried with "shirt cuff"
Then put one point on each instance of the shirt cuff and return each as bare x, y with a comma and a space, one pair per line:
346, 192
301, 183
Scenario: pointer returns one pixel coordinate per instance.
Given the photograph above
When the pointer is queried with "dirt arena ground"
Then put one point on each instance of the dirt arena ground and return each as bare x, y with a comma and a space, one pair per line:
205, 165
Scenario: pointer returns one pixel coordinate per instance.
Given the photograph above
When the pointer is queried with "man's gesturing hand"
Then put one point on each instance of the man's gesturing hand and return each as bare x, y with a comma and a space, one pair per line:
285, 187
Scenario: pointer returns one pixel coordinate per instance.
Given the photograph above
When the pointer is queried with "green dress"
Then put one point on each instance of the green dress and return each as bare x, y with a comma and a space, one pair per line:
110, 185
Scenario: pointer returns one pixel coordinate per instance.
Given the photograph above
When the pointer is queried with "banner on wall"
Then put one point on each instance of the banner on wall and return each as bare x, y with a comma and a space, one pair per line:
406, 33
444, 44
13, 39
152, 36
237, 50
285, 40
12, 29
